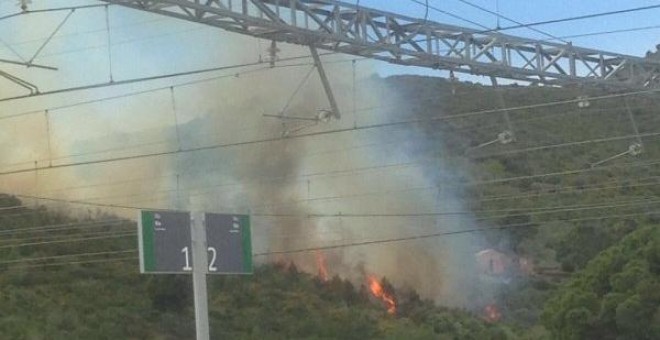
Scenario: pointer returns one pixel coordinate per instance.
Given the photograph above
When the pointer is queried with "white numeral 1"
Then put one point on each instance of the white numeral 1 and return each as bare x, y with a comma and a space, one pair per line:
187, 267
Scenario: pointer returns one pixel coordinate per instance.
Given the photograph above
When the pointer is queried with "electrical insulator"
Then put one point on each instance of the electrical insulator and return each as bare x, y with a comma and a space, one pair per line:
635, 149
24, 4
505, 137
583, 102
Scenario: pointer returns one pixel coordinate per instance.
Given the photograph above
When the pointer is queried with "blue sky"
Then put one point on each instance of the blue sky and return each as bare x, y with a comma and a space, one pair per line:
148, 44
526, 11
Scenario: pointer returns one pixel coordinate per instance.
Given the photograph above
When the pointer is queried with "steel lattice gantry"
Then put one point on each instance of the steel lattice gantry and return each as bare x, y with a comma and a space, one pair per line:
346, 28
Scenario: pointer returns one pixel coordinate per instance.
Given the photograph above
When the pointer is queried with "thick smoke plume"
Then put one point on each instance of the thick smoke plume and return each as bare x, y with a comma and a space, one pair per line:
347, 187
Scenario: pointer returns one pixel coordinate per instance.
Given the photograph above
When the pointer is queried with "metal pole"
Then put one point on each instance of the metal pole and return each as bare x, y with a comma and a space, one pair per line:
200, 268
325, 82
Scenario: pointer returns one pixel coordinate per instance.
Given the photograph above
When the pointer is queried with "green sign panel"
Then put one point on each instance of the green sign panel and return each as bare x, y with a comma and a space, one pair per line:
165, 242
166, 245
229, 244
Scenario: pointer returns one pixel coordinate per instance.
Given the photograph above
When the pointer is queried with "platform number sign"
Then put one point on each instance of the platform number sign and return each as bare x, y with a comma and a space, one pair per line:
229, 243
165, 242
166, 245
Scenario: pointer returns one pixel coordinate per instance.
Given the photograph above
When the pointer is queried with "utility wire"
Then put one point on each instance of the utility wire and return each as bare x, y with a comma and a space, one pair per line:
165, 142
373, 242
419, 237
57, 257
46, 10
568, 144
65, 226
118, 259
433, 235
82, 239
575, 18
349, 172
523, 212
400, 239
426, 4
192, 192
539, 211
58, 237
465, 184
519, 211
311, 134
624, 30
151, 78
554, 37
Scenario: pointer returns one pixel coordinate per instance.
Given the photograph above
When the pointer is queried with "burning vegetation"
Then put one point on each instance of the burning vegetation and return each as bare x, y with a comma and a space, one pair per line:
378, 291
322, 267
492, 313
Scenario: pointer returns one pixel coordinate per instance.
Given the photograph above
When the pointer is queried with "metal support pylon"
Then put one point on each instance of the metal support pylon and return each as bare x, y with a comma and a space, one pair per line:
342, 27
326, 86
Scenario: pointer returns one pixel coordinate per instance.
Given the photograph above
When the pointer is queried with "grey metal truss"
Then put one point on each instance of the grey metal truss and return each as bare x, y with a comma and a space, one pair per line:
398, 39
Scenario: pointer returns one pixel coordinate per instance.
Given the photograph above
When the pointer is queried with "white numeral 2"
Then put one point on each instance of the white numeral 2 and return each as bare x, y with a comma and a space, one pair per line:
214, 254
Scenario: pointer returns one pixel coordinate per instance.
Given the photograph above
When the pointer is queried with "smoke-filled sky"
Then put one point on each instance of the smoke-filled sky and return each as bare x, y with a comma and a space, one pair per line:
374, 171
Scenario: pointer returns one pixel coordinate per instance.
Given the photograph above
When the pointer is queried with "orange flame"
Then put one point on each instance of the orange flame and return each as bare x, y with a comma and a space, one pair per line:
377, 291
492, 313
320, 263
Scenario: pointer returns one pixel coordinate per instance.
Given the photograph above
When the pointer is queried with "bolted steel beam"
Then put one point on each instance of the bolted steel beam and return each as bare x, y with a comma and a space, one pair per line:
345, 28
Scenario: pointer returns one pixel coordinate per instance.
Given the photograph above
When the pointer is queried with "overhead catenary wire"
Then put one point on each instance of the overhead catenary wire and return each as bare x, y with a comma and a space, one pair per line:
499, 15
523, 212
600, 217
193, 192
575, 18
165, 142
57, 257
560, 38
65, 226
420, 237
455, 16
54, 238
363, 243
350, 172
429, 236
50, 160
556, 192
108, 260
539, 211
312, 134
520, 211
69, 240
607, 32
192, 82
568, 144
382, 241
472, 183
47, 10
147, 79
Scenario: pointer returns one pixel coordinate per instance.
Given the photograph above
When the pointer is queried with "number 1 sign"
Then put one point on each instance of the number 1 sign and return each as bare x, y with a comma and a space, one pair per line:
165, 242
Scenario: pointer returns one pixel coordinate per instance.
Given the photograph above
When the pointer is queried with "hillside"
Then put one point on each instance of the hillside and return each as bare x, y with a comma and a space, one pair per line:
617, 295
58, 298
561, 191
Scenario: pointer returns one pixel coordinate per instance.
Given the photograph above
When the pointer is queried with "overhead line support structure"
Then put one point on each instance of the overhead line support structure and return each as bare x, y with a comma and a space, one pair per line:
346, 28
